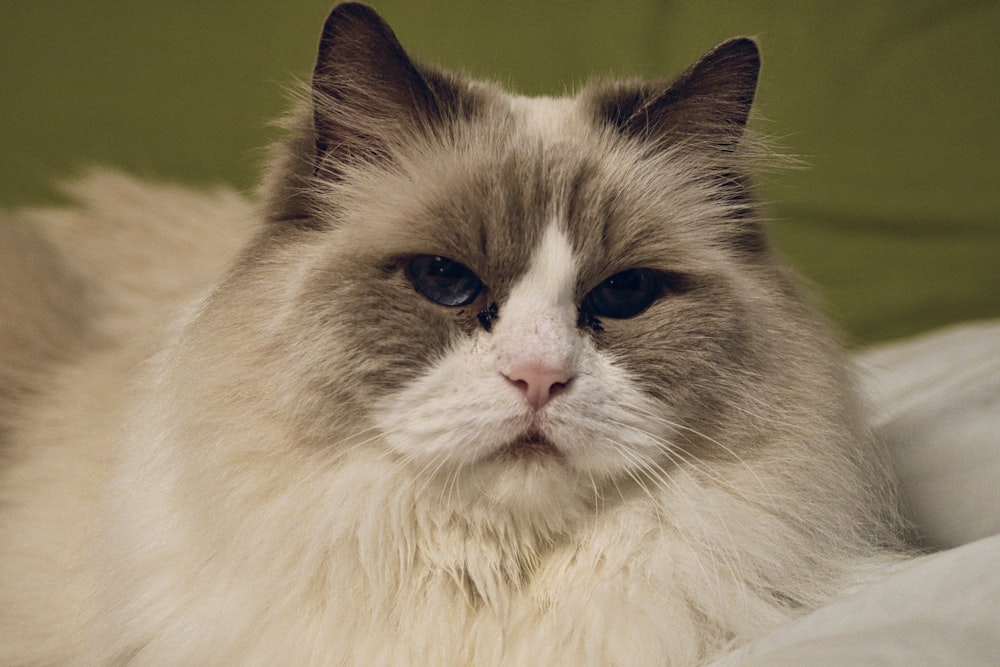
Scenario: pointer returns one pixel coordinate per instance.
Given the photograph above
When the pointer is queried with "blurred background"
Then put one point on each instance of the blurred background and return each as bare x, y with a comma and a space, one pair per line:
893, 106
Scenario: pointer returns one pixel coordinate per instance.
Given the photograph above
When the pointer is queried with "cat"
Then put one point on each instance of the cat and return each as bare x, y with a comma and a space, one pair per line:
476, 379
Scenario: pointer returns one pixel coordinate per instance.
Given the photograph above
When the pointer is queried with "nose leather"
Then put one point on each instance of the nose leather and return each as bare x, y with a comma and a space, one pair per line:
538, 382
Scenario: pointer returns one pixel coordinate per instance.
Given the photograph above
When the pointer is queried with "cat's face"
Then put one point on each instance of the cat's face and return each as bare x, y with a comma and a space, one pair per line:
532, 312
522, 298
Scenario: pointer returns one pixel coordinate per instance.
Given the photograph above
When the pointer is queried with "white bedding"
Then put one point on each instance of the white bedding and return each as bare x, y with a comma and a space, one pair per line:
937, 402
938, 406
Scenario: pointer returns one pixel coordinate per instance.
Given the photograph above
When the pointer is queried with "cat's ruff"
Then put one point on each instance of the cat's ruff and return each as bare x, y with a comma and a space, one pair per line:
258, 437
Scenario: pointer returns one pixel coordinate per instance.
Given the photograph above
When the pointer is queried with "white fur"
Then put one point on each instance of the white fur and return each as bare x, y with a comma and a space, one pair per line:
538, 325
548, 119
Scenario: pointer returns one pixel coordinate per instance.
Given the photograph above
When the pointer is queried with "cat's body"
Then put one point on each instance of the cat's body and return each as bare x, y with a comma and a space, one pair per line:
347, 450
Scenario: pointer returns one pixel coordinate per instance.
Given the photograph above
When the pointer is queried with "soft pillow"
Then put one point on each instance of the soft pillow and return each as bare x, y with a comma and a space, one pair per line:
936, 401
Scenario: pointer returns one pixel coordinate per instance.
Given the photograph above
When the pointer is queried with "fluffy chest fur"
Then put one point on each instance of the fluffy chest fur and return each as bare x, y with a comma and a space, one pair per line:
498, 381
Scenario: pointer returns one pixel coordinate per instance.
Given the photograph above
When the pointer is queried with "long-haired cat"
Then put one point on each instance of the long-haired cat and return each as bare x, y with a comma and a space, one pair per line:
479, 380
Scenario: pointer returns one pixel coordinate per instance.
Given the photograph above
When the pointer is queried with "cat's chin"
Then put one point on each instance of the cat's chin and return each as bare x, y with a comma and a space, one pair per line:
529, 448
530, 487
529, 474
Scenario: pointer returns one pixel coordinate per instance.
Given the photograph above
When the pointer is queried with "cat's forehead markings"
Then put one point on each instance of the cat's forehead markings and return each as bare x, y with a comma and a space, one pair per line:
551, 274
549, 118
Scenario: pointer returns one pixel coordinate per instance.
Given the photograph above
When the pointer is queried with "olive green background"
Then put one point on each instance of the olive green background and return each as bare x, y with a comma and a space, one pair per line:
893, 107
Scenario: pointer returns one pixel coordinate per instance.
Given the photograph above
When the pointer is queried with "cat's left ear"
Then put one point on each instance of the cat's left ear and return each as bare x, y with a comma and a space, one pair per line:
368, 96
709, 102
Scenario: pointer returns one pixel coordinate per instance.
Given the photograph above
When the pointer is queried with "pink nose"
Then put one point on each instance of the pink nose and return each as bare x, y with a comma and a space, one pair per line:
539, 383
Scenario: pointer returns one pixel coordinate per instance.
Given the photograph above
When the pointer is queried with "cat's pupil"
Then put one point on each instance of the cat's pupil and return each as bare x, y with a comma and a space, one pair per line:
444, 281
624, 294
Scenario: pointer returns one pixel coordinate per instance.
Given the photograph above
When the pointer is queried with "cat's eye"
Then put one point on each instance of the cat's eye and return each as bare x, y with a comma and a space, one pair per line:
624, 294
443, 281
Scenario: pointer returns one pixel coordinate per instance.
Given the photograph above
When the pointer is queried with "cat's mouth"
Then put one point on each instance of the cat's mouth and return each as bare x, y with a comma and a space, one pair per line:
529, 446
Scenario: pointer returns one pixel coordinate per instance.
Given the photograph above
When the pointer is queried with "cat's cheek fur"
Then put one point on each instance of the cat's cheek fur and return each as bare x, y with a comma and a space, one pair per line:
456, 413
606, 424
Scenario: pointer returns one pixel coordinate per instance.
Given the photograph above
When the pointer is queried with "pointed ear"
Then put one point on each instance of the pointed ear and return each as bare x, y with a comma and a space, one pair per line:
367, 94
709, 102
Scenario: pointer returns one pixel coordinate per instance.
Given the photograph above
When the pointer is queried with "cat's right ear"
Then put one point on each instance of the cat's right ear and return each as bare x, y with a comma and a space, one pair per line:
367, 94
708, 104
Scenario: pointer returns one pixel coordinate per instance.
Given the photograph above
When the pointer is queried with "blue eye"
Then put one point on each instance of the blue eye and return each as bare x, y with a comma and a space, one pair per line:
624, 294
444, 281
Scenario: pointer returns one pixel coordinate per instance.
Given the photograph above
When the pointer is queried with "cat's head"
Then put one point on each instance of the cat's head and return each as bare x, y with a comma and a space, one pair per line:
530, 296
